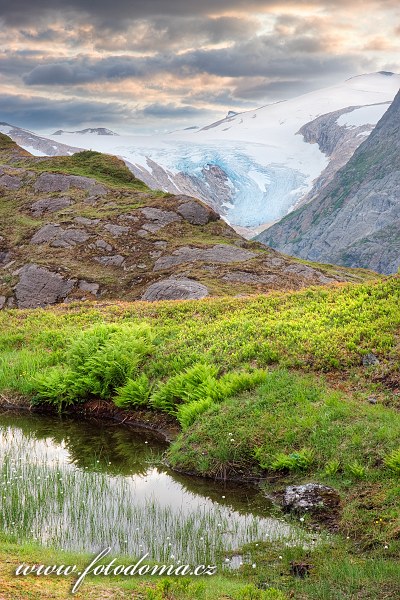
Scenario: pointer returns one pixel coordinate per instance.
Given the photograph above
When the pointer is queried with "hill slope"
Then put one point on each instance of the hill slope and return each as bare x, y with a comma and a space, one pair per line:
83, 226
355, 221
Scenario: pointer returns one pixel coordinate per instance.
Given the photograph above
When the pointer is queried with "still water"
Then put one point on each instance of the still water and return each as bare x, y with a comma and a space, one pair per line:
84, 486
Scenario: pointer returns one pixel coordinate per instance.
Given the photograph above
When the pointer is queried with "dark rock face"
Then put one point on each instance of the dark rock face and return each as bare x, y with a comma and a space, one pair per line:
175, 289
355, 220
195, 213
220, 253
39, 287
311, 496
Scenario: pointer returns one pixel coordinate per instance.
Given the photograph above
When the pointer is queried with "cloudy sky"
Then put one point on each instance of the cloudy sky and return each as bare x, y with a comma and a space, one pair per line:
141, 66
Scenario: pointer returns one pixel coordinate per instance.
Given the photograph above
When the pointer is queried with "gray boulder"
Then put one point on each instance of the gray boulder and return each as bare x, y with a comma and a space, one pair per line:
39, 287
196, 213
175, 289
2, 301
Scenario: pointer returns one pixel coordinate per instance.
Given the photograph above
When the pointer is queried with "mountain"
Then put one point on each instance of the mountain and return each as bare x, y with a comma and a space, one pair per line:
254, 167
83, 227
88, 131
37, 144
355, 221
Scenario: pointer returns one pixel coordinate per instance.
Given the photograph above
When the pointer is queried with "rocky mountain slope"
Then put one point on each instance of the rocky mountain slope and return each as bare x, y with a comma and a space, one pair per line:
83, 227
256, 166
355, 220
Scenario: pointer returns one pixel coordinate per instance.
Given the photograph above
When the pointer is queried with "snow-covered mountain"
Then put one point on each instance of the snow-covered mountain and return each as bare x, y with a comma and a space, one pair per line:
36, 144
88, 131
255, 167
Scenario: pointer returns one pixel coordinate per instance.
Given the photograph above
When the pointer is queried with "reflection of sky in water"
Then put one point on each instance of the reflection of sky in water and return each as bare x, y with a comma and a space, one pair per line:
86, 509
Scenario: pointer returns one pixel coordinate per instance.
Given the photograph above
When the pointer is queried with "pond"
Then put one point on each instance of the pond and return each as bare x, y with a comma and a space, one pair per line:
85, 486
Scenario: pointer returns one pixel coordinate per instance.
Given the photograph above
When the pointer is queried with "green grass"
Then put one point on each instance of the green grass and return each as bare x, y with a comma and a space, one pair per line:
105, 168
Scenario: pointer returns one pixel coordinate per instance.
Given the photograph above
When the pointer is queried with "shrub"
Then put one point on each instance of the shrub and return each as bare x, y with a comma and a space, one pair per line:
135, 393
392, 461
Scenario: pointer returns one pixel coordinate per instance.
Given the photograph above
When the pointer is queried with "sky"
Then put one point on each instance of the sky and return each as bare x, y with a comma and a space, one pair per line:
159, 65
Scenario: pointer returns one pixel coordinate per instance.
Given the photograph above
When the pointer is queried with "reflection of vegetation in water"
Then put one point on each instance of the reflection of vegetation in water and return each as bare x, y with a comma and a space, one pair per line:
50, 494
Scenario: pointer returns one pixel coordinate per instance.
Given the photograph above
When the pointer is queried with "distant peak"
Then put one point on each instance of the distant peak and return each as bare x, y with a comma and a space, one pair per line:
89, 130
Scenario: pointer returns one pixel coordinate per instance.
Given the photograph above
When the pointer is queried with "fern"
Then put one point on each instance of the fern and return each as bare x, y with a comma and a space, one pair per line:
301, 460
392, 461
135, 393
188, 413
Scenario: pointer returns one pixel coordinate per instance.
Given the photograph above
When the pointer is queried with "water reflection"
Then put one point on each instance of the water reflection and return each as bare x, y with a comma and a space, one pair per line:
85, 486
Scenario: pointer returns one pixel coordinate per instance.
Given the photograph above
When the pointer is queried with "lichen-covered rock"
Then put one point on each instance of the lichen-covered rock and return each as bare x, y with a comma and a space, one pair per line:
196, 213
49, 205
175, 289
220, 253
56, 182
38, 287
311, 497
2, 301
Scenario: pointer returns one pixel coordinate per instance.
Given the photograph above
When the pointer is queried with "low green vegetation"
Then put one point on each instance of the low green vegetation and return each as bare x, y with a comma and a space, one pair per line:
270, 386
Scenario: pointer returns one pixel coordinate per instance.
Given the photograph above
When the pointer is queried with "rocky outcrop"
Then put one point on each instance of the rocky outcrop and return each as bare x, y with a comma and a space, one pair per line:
195, 213
39, 287
175, 289
355, 221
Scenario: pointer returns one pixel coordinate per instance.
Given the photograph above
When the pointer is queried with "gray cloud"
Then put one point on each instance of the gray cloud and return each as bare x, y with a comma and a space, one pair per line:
32, 112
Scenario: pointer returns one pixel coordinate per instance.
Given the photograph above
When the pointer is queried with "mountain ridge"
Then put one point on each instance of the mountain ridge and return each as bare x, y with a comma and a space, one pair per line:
355, 221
